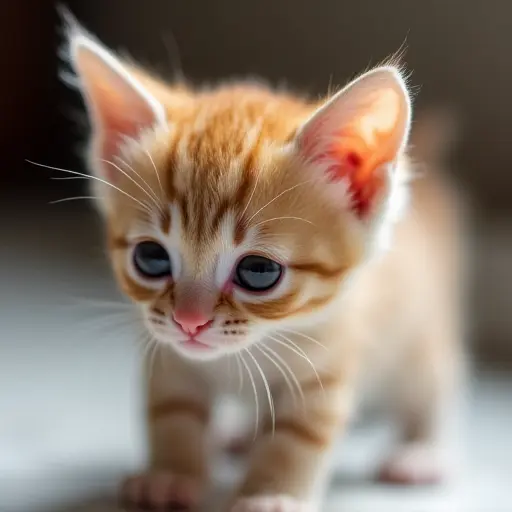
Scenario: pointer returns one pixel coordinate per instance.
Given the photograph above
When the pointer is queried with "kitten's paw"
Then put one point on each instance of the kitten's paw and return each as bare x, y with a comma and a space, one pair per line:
271, 504
160, 490
414, 464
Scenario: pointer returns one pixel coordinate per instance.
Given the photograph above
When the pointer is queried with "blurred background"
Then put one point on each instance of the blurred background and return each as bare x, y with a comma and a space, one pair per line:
64, 387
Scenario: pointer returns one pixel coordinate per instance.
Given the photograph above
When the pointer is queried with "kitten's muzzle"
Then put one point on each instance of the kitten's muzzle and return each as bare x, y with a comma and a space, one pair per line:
191, 322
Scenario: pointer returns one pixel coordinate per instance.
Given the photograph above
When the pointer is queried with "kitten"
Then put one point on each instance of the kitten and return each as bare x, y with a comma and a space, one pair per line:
271, 247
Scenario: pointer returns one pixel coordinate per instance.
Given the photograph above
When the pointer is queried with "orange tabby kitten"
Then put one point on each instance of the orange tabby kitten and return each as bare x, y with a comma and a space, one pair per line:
270, 244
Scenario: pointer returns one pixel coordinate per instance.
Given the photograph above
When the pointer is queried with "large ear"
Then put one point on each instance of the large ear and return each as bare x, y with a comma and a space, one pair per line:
356, 138
118, 104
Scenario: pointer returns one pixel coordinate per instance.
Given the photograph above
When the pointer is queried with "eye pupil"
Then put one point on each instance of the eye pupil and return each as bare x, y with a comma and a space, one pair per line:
152, 260
257, 273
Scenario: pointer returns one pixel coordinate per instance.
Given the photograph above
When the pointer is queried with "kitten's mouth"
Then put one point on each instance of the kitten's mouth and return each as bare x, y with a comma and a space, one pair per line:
194, 344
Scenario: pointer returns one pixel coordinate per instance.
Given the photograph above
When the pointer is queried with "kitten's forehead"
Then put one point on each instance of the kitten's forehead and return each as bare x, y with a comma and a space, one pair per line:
219, 164
227, 129
217, 152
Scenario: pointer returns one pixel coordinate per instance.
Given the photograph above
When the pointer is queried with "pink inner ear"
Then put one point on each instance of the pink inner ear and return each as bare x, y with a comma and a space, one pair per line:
353, 143
117, 122
119, 110
349, 159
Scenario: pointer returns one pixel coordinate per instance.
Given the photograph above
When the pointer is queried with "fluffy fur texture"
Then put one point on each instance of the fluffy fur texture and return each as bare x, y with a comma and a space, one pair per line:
368, 293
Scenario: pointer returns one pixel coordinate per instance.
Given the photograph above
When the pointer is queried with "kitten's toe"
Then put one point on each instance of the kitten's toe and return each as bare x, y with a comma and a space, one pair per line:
160, 490
414, 464
271, 504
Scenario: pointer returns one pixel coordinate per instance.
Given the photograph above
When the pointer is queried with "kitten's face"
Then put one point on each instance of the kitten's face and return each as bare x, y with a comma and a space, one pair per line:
238, 240
234, 213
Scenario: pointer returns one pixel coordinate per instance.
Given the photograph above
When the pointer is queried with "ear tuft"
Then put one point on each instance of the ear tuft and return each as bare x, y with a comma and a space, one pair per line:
359, 134
118, 105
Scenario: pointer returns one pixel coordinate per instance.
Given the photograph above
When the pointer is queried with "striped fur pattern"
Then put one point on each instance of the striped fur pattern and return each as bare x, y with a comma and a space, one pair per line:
215, 174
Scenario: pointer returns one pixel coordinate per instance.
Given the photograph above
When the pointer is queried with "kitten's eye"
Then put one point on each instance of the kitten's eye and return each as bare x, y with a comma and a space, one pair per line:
151, 260
257, 274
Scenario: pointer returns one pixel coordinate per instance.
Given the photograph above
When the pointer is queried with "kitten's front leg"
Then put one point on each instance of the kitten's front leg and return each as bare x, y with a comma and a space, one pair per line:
178, 414
288, 468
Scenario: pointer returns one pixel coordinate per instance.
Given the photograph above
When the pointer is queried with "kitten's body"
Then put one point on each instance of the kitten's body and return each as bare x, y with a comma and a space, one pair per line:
368, 294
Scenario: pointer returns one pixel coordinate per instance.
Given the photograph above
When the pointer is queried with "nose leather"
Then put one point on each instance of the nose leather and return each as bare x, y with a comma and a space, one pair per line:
191, 321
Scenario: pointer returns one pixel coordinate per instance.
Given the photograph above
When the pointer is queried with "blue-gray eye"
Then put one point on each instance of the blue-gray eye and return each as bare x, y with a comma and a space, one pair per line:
152, 260
257, 273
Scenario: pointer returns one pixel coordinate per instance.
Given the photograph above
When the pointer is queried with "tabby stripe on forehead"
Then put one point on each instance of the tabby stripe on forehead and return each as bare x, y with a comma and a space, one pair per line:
249, 172
178, 406
240, 231
244, 192
165, 220
251, 157
183, 206
219, 214
245, 186
193, 142
170, 169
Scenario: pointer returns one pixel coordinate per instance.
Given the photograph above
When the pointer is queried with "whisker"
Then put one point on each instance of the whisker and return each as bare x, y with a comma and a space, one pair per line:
76, 198
110, 324
290, 371
278, 196
113, 315
274, 358
93, 305
67, 178
253, 384
87, 310
146, 342
133, 181
298, 351
156, 171
152, 356
283, 218
240, 374
98, 303
316, 342
251, 196
267, 389
92, 177
150, 188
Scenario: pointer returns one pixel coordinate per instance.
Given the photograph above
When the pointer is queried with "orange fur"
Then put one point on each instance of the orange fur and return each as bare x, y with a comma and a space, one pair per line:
241, 168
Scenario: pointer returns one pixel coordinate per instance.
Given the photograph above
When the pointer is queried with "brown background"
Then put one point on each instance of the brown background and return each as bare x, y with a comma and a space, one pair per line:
459, 51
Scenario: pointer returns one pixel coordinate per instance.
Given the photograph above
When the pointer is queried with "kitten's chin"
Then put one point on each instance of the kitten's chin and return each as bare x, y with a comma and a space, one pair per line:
202, 350
209, 354
194, 351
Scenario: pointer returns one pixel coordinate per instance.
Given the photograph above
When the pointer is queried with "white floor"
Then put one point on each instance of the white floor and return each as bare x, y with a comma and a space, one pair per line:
69, 400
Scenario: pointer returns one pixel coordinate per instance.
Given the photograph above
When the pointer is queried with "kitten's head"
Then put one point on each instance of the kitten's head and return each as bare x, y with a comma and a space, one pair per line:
235, 212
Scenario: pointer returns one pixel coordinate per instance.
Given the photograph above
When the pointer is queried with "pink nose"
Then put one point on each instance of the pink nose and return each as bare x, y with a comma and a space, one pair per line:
192, 322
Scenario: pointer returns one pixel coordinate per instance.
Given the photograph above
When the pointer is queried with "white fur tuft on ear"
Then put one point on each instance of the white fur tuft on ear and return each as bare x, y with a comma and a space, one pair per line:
357, 137
118, 105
